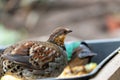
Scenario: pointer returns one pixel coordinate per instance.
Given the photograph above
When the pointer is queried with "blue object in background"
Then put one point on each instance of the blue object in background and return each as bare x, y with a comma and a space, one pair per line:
70, 46
84, 53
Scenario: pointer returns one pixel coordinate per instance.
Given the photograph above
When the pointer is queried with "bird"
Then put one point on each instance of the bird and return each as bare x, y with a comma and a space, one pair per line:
79, 55
36, 59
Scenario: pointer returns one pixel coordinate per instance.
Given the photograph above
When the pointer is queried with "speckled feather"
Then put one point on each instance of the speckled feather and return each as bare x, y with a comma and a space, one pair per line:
34, 59
41, 58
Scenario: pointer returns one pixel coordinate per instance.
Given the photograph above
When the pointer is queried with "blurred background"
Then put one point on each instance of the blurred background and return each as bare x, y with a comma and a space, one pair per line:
36, 19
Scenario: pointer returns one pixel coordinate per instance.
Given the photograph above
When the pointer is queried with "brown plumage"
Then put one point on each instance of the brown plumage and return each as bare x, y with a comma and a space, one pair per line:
80, 57
36, 59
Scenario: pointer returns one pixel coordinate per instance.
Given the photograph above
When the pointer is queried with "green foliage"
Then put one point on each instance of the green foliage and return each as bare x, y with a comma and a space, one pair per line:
8, 36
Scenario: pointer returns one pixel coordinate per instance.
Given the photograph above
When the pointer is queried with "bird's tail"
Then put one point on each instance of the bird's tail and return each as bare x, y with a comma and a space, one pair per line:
1, 69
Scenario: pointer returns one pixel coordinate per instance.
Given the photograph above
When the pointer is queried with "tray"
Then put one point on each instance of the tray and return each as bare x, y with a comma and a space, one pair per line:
105, 49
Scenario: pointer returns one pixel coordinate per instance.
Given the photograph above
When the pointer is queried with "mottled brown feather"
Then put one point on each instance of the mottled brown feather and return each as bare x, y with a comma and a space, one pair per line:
36, 59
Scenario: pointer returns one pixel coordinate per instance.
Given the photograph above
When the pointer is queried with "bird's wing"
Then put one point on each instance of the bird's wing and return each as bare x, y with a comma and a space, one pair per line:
34, 58
42, 54
19, 53
19, 59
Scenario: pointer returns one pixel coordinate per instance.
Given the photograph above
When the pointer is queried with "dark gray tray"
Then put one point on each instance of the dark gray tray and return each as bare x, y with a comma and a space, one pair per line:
105, 49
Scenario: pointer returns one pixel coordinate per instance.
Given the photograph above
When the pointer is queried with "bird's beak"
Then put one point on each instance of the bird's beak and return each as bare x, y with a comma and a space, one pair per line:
69, 31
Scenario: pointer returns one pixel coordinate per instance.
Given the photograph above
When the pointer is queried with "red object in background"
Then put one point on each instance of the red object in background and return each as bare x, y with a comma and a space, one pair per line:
113, 22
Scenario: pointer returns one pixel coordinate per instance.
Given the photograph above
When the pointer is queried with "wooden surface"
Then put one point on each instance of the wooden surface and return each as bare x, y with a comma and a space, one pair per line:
111, 70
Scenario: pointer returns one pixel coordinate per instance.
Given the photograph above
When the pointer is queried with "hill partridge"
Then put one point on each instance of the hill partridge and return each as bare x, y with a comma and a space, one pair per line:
79, 55
36, 59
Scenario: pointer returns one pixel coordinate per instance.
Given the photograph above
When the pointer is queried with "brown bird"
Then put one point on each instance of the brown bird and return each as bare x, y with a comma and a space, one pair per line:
81, 56
36, 59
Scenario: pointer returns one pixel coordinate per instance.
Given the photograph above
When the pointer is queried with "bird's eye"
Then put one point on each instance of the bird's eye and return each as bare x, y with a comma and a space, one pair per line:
65, 32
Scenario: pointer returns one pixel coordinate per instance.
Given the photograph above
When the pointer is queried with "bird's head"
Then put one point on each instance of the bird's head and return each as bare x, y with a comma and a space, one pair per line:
58, 36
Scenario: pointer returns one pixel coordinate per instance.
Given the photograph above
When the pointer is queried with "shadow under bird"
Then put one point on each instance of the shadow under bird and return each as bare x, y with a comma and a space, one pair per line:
36, 59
